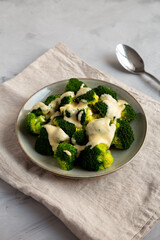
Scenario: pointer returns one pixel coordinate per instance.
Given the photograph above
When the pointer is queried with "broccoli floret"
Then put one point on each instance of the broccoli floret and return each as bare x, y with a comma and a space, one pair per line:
42, 144
66, 100
65, 155
38, 112
68, 127
90, 97
79, 137
51, 98
128, 114
102, 108
100, 90
96, 158
33, 123
84, 116
123, 136
74, 85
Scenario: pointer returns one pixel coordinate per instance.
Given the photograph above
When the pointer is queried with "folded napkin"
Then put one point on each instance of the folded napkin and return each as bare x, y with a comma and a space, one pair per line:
120, 206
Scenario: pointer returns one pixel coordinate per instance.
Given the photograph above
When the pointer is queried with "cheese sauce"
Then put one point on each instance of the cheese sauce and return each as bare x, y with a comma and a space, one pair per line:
79, 149
54, 104
73, 120
82, 91
100, 131
114, 107
45, 109
68, 153
67, 94
73, 109
80, 115
56, 135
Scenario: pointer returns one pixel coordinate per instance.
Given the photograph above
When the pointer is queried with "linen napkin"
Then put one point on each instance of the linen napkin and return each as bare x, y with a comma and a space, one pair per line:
120, 206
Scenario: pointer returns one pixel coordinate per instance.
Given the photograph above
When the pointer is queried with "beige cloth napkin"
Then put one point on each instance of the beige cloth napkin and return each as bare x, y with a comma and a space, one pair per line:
120, 206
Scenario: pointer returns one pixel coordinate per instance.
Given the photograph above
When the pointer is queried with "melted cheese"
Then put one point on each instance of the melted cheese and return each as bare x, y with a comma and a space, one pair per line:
56, 135
82, 91
55, 115
114, 107
79, 149
80, 115
74, 121
54, 104
73, 109
100, 131
67, 94
122, 102
45, 109
68, 153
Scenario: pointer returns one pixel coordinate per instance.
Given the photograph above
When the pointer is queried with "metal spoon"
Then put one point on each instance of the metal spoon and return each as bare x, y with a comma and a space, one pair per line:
131, 60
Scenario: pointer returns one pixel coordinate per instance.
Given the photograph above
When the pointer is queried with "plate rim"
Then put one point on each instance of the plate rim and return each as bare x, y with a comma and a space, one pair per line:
81, 176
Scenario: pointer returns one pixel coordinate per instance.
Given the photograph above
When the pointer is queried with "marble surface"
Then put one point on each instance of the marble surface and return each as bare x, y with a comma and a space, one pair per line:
92, 29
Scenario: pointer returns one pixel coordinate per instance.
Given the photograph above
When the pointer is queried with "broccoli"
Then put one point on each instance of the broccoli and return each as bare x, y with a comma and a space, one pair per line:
90, 97
51, 98
124, 136
68, 127
33, 123
128, 114
38, 112
79, 137
66, 100
102, 108
96, 158
100, 90
42, 144
65, 155
74, 85
84, 116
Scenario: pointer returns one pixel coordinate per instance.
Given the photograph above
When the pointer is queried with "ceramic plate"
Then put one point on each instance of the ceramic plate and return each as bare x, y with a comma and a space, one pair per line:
121, 157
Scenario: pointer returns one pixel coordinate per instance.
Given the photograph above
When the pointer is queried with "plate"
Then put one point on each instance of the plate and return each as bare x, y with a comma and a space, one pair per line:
121, 157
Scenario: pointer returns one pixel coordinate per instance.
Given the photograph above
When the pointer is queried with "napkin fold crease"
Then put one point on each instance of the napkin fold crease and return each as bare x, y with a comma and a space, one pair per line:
120, 206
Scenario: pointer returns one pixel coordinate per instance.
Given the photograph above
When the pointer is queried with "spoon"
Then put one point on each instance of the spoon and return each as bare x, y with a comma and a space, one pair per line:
131, 60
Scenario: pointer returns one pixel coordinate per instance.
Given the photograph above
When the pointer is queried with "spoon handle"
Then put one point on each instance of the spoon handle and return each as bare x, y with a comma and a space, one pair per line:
153, 77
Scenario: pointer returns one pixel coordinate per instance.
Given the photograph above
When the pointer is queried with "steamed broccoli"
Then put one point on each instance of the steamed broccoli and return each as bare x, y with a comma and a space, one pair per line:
33, 123
65, 155
51, 98
90, 97
128, 114
74, 85
84, 116
102, 108
123, 136
42, 144
68, 127
100, 90
37, 112
96, 158
66, 100
79, 137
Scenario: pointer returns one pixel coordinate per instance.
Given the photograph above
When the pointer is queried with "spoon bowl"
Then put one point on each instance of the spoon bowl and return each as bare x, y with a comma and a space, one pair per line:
131, 60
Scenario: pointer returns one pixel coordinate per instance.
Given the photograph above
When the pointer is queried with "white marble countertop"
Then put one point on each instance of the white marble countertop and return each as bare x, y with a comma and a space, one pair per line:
91, 29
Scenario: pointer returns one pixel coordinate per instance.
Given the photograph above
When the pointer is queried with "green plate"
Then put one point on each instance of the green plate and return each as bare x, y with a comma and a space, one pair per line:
121, 157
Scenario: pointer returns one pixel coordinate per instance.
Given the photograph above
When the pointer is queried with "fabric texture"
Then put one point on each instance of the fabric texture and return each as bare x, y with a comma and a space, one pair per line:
120, 206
